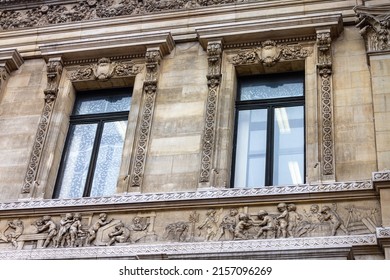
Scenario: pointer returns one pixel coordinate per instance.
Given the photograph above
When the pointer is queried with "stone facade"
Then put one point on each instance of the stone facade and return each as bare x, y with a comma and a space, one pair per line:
183, 60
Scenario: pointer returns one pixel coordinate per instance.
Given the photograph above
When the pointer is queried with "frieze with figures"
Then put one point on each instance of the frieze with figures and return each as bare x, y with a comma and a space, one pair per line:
280, 221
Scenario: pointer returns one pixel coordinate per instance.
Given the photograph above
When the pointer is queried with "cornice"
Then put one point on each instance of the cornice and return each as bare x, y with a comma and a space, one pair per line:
198, 198
10, 59
194, 248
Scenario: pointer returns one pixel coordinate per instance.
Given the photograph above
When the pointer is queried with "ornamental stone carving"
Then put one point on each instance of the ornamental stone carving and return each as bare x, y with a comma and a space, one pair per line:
41, 15
374, 25
283, 220
153, 58
104, 70
269, 53
214, 54
324, 67
54, 71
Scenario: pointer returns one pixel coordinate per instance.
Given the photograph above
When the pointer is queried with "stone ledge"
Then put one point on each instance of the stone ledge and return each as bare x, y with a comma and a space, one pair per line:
195, 197
204, 248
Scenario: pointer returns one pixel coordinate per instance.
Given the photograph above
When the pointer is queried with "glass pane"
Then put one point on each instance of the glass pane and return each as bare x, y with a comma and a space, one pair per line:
109, 159
251, 148
96, 104
289, 146
267, 87
76, 160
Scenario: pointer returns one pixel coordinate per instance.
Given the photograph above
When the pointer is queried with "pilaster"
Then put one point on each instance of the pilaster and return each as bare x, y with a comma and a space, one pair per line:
324, 70
54, 71
214, 55
153, 58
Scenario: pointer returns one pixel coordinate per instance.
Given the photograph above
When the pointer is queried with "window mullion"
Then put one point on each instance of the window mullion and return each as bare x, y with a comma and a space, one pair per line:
92, 164
270, 147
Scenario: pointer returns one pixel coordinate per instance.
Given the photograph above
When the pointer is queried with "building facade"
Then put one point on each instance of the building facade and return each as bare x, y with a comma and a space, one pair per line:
195, 129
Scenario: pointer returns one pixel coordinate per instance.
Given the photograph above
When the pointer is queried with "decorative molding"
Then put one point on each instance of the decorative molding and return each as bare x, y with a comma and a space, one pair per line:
381, 176
294, 40
383, 232
199, 195
10, 60
104, 70
54, 71
153, 58
214, 54
191, 248
374, 25
269, 53
324, 67
55, 13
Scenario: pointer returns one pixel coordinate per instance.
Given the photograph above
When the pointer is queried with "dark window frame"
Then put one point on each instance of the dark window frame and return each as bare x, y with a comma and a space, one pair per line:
100, 119
270, 105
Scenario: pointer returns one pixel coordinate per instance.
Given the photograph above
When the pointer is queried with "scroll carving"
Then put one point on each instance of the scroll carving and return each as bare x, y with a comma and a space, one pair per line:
214, 53
42, 15
54, 71
381, 176
104, 70
374, 25
269, 53
153, 58
324, 67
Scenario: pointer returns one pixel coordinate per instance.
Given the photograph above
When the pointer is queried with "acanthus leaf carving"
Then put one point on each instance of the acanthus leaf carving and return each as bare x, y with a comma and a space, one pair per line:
374, 25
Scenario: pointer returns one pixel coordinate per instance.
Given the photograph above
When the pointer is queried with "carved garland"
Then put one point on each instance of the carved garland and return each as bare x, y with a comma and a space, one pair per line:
325, 72
214, 52
54, 71
153, 58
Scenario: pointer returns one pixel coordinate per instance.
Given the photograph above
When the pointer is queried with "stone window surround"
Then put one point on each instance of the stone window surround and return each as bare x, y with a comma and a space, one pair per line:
42, 186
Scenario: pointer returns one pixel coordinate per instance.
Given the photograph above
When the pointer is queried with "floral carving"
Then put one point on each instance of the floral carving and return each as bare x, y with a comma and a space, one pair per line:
269, 53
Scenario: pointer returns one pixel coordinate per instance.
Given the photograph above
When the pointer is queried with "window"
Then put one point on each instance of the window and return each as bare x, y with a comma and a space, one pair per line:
93, 149
269, 141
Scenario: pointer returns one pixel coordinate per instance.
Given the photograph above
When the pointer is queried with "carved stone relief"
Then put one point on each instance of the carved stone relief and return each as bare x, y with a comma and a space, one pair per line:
84, 10
324, 67
280, 221
54, 71
269, 53
153, 57
214, 54
374, 25
104, 69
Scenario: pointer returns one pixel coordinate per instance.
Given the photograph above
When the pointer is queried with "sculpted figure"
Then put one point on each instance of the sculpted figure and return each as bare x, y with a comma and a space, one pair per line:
17, 227
51, 228
333, 218
267, 225
228, 224
241, 230
102, 221
63, 232
210, 224
293, 219
120, 234
283, 219
75, 229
